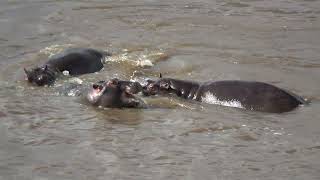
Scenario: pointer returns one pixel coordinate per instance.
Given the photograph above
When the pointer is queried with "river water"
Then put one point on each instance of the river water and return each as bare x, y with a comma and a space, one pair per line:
49, 133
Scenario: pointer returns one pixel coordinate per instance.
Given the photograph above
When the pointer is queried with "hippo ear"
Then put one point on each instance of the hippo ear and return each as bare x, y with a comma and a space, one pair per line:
26, 71
160, 75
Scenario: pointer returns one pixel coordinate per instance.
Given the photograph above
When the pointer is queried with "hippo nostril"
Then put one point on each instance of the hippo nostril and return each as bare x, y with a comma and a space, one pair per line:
95, 86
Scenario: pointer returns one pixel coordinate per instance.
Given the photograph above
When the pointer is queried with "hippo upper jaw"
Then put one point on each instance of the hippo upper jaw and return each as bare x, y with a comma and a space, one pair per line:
95, 94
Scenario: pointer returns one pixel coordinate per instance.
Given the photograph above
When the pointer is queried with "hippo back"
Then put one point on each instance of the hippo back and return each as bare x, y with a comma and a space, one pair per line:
257, 96
77, 61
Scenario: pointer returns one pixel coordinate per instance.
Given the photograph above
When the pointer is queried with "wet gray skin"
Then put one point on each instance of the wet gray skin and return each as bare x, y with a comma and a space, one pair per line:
45, 134
112, 94
251, 95
76, 61
131, 86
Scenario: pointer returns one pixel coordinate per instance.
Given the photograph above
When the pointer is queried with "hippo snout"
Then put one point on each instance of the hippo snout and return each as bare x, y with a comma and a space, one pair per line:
112, 94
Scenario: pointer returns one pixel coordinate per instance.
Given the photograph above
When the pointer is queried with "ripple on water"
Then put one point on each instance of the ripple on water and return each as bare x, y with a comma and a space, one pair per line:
236, 4
57, 136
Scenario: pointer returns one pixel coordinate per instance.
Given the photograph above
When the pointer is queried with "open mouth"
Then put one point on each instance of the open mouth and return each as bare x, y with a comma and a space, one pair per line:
97, 88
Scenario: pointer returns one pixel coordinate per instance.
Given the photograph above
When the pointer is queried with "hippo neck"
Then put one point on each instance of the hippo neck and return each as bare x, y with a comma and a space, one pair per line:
185, 89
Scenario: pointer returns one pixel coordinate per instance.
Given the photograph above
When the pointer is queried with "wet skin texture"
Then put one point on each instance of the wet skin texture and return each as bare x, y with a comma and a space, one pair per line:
132, 87
256, 96
113, 94
76, 61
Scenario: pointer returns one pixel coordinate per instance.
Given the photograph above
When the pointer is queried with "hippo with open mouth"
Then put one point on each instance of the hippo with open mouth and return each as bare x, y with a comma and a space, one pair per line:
257, 96
76, 61
114, 94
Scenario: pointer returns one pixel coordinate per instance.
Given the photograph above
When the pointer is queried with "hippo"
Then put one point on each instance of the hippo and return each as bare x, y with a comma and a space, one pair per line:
113, 94
76, 61
252, 95
130, 86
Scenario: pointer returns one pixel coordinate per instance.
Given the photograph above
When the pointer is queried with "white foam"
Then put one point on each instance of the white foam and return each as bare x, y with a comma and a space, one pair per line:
145, 58
141, 61
76, 80
73, 92
54, 49
212, 99
66, 73
144, 63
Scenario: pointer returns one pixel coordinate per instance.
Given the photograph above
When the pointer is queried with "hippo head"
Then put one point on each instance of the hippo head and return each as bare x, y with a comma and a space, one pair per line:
111, 94
131, 87
161, 86
151, 88
40, 76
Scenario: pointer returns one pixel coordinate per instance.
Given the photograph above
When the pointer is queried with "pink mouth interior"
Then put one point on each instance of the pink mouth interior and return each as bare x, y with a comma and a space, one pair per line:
97, 90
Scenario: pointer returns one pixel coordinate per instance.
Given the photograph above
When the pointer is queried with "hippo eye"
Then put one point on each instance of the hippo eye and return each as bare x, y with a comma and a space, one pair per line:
165, 85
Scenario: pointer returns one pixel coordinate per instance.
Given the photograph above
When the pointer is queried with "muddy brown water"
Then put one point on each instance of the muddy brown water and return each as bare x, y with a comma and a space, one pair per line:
49, 133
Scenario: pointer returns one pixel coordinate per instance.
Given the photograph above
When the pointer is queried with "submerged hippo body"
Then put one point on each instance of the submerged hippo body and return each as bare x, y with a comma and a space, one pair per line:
256, 96
113, 94
76, 61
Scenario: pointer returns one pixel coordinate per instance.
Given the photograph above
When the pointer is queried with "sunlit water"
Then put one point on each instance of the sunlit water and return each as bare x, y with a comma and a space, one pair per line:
53, 133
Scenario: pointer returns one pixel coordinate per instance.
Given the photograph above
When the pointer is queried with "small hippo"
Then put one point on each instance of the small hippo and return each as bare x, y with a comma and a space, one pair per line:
130, 86
113, 94
257, 96
76, 61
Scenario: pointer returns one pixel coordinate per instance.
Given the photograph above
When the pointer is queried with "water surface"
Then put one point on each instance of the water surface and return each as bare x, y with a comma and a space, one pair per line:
48, 133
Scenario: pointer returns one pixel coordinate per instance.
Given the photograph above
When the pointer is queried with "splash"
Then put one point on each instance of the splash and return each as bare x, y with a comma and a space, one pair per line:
74, 92
66, 73
144, 58
76, 80
212, 99
54, 49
